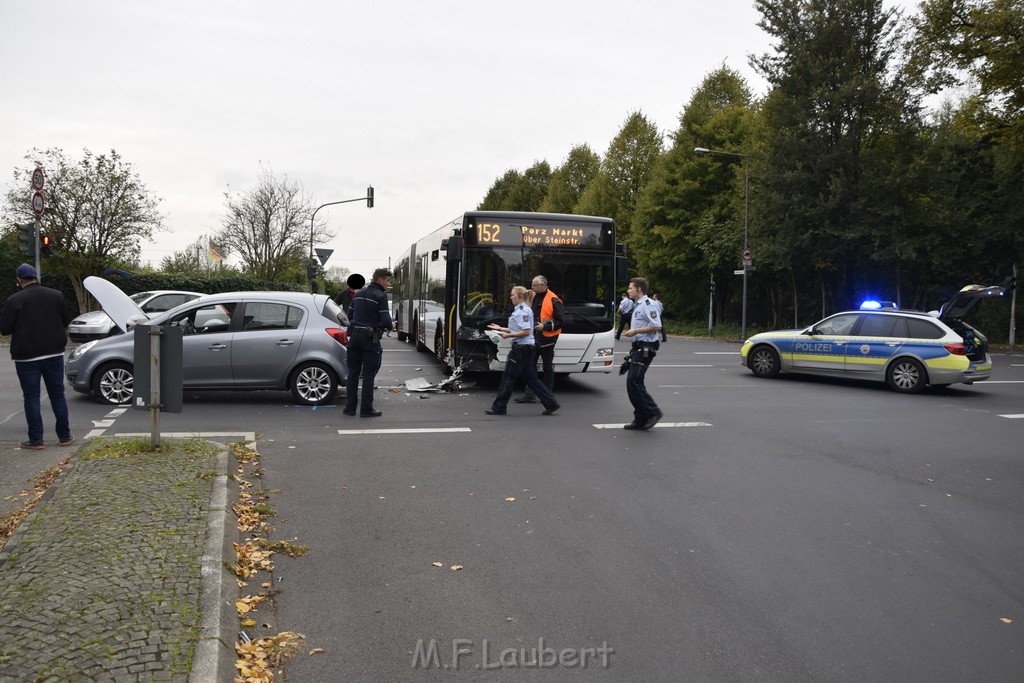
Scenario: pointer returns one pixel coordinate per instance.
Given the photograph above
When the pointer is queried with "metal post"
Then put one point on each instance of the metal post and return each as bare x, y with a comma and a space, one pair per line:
746, 235
711, 303
154, 385
309, 267
39, 263
1013, 310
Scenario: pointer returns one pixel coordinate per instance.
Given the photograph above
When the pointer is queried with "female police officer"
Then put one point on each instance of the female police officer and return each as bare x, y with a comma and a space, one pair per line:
521, 361
643, 330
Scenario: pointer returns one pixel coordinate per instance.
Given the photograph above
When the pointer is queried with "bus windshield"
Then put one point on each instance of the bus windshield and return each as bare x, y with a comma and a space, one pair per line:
582, 280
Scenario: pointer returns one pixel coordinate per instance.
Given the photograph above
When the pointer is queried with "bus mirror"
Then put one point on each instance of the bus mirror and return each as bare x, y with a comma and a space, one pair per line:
621, 269
454, 249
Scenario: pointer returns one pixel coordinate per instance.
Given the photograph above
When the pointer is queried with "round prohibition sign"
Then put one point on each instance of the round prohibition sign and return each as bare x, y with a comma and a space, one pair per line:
37, 203
38, 179
747, 254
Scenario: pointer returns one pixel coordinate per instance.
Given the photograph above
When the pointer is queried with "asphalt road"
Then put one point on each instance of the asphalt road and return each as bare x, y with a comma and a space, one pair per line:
790, 529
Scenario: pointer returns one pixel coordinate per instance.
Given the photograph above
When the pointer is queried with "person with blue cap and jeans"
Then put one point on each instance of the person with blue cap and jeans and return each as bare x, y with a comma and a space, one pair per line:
37, 317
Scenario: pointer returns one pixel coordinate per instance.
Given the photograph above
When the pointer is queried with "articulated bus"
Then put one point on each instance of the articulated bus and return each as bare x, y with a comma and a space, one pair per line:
449, 286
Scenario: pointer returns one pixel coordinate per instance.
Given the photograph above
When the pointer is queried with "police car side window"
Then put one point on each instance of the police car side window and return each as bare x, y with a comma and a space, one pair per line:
877, 326
922, 329
841, 324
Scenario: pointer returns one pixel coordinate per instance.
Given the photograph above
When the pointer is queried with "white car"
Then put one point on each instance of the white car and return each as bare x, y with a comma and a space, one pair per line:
97, 324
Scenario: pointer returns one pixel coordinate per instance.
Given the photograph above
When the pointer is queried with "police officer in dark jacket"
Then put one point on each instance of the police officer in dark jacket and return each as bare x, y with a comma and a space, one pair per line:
368, 320
37, 317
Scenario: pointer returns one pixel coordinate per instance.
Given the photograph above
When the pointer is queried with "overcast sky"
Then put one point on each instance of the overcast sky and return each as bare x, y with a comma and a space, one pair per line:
429, 102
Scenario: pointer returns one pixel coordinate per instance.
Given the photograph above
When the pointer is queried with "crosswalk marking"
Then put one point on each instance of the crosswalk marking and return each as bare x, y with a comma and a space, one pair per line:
426, 430
660, 425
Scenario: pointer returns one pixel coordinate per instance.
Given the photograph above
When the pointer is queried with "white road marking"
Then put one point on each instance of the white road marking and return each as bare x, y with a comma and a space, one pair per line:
716, 353
664, 365
660, 425
1014, 417
426, 430
1003, 381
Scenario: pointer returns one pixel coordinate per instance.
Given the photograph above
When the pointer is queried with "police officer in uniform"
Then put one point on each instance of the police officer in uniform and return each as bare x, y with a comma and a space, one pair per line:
368, 320
550, 317
521, 360
644, 329
625, 310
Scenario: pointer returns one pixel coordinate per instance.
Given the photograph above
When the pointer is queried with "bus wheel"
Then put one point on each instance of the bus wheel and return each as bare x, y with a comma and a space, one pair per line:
420, 346
439, 346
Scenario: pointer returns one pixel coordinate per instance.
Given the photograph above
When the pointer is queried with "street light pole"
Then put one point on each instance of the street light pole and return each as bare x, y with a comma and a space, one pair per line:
746, 225
369, 204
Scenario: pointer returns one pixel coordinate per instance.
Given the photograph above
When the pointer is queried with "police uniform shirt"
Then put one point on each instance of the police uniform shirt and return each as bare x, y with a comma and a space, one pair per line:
645, 314
626, 306
521, 319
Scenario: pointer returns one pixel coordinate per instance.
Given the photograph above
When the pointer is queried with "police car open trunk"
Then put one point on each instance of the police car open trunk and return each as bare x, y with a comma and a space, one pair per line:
953, 312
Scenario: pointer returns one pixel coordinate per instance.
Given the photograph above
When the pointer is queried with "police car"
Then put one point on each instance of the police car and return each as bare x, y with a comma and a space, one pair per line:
906, 349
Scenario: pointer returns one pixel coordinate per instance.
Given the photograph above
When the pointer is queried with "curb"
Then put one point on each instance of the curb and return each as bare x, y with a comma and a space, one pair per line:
214, 656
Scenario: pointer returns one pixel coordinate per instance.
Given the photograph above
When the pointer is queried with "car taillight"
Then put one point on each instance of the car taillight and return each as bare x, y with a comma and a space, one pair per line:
956, 349
340, 335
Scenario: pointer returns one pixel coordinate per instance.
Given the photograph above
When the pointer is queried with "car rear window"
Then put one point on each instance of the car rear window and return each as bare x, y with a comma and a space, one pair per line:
922, 329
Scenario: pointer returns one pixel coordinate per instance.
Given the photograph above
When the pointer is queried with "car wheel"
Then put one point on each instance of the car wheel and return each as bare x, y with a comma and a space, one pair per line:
314, 383
764, 361
114, 383
906, 376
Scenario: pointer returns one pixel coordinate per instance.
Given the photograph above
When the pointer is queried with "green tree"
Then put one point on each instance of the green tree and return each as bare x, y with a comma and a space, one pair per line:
268, 227
625, 169
98, 212
570, 180
837, 110
979, 39
497, 197
688, 224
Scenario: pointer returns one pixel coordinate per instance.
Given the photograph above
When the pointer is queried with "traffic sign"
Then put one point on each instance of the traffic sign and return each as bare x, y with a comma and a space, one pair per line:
323, 255
38, 179
37, 203
746, 254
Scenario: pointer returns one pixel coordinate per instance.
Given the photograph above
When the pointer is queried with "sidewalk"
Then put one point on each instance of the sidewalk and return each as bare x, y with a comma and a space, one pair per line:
118, 575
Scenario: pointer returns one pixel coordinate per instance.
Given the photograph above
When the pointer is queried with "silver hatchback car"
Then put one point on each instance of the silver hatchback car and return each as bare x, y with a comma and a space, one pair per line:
239, 340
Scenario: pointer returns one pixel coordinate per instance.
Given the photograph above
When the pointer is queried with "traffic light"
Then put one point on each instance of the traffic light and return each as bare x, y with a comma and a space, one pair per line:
1011, 283
369, 197
45, 244
27, 239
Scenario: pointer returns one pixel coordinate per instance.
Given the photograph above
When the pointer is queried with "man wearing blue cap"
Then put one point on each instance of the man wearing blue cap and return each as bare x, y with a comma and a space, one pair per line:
36, 317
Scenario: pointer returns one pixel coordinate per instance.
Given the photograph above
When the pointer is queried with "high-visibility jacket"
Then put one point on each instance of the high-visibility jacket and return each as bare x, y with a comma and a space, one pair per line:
547, 312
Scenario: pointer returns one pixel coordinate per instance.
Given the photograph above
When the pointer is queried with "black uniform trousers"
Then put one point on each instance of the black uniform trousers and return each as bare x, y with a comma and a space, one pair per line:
640, 356
364, 357
521, 363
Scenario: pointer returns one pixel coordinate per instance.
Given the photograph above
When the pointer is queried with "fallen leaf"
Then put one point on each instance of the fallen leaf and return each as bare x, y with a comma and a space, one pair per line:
381, 497
1005, 620
317, 651
510, 499
456, 567
438, 564
248, 623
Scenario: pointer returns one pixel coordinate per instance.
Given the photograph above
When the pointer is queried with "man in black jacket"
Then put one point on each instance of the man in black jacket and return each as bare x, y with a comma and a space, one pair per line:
36, 317
369, 319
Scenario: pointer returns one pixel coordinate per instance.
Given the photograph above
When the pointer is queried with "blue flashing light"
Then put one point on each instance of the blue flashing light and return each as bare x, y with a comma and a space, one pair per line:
872, 305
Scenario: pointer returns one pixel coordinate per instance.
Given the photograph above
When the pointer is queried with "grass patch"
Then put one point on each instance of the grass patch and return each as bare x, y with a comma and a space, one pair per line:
104, 448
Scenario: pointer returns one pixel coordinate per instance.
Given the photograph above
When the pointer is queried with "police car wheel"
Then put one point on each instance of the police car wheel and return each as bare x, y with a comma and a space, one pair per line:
313, 384
764, 362
906, 376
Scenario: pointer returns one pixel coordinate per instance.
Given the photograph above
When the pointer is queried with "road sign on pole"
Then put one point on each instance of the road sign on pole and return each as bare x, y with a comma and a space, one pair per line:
37, 203
323, 255
38, 179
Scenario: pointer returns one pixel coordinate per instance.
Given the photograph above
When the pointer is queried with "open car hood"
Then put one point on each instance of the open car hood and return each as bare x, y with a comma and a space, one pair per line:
966, 299
122, 310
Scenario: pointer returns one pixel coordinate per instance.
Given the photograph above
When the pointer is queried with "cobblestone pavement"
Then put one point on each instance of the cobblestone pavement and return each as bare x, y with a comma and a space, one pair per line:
102, 580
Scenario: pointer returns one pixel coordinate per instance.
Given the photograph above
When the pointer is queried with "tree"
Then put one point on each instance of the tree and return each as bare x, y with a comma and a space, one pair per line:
496, 198
839, 119
268, 227
980, 39
570, 180
688, 223
625, 169
98, 212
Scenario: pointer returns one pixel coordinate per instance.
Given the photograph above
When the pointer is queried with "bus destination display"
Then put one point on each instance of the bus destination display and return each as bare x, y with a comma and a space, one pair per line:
539, 234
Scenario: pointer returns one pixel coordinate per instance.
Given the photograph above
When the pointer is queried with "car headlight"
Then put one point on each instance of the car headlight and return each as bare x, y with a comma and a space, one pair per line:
81, 350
